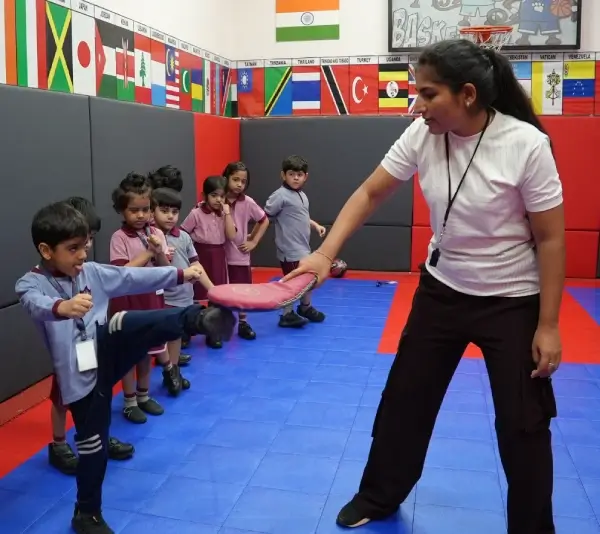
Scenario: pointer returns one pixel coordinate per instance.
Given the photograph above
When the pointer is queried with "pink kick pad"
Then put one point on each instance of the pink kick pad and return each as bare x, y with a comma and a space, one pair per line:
262, 297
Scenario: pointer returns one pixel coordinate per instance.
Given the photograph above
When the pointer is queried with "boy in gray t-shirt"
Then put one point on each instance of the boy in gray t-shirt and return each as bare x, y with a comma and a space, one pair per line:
166, 204
288, 210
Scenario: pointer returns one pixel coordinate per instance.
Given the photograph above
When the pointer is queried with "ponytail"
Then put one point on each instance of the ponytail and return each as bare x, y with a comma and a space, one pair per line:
510, 97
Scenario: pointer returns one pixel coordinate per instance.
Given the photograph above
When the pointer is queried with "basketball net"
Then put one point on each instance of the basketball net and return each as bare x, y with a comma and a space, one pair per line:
492, 37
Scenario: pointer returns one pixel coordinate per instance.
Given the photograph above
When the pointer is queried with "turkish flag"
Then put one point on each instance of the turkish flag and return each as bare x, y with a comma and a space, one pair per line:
364, 90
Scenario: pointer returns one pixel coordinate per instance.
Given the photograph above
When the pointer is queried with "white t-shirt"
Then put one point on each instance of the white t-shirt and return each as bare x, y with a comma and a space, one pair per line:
487, 248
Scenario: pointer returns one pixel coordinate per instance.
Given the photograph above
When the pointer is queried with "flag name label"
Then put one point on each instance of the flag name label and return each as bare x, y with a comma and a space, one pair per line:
84, 7
141, 29
579, 57
335, 61
158, 36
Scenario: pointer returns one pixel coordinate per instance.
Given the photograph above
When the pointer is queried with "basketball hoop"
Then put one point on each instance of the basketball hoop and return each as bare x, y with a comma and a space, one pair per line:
494, 37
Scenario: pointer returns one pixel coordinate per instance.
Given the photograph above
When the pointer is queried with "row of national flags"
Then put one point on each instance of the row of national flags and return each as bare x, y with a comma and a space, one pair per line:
74, 46
560, 84
366, 85
557, 83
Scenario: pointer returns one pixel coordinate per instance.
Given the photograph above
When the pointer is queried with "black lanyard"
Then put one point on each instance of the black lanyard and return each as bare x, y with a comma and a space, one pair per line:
79, 323
435, 255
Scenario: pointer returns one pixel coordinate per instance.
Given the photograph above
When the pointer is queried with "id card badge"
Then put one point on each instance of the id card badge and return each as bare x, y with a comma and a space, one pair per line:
160, 292
86, 355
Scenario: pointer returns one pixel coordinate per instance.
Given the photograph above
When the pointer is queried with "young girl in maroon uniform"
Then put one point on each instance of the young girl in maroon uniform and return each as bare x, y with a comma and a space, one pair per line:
244, 210
137, 244
210, 226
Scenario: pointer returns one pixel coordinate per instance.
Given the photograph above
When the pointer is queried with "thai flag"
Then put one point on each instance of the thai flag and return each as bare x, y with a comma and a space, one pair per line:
306, 90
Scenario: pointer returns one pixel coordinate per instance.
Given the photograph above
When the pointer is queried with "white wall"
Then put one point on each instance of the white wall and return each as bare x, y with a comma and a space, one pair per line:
202, 23
363, 29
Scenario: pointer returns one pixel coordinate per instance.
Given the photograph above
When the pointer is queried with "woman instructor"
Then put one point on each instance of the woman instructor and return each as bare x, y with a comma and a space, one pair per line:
494, 277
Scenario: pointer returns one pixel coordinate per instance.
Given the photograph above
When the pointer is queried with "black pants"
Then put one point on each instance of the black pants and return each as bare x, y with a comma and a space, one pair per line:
441, 324
120, 345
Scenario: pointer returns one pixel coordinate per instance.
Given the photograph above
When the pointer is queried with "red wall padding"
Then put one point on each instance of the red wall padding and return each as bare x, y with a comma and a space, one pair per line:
582, 253
576, 142
421, 235
217, 142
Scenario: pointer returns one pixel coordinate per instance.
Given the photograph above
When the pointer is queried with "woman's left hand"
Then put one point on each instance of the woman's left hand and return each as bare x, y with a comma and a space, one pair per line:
547, 351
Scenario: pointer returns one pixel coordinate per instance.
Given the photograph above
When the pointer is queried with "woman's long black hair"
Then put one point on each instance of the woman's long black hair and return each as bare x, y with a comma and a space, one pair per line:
458, 62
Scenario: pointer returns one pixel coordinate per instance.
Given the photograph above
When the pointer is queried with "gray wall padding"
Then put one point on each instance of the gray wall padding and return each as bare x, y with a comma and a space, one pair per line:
341, 153
25, 360
132, 137
46, 155
372, 248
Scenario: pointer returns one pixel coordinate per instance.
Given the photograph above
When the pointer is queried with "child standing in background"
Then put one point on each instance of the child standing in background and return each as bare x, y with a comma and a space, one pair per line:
210, 225
170, 177
288, 208
137, 244
244, 210
167, 204
60, 453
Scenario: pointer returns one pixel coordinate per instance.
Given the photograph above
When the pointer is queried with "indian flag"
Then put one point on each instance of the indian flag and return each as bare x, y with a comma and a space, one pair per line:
307, 20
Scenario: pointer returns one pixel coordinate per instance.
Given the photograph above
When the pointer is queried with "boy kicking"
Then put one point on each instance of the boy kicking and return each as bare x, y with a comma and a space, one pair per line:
68, 300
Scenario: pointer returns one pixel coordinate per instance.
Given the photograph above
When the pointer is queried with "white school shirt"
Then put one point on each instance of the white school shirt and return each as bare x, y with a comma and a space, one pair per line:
487, 248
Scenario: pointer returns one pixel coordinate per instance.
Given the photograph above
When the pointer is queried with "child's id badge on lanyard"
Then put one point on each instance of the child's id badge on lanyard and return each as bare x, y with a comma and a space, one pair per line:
86, 355
85, 348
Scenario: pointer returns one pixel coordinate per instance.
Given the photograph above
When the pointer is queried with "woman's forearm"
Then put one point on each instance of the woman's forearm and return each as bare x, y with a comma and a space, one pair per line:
551, 261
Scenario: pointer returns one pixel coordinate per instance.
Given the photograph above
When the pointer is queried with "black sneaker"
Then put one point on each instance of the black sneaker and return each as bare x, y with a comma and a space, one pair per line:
117, 450
184, 359
185, 384
292, 320
62, 457
311, 313
90, 523
172, 380
214, 343
351, 517
213, 322
151, 407
134, 415
245, 331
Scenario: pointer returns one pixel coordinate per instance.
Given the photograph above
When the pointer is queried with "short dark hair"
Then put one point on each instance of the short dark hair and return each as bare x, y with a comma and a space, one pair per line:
133, 184
294, 163
457, 62
166, 198
86, 208
167, 176
56, 223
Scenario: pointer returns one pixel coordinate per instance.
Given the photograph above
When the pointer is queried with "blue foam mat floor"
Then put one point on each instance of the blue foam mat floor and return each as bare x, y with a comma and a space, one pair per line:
273, 436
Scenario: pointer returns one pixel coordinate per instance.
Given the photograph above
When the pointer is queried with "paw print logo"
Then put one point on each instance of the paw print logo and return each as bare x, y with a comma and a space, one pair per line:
538, 6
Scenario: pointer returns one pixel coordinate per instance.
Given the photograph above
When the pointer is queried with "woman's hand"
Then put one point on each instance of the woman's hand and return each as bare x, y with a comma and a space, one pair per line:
547, 351
316, 263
